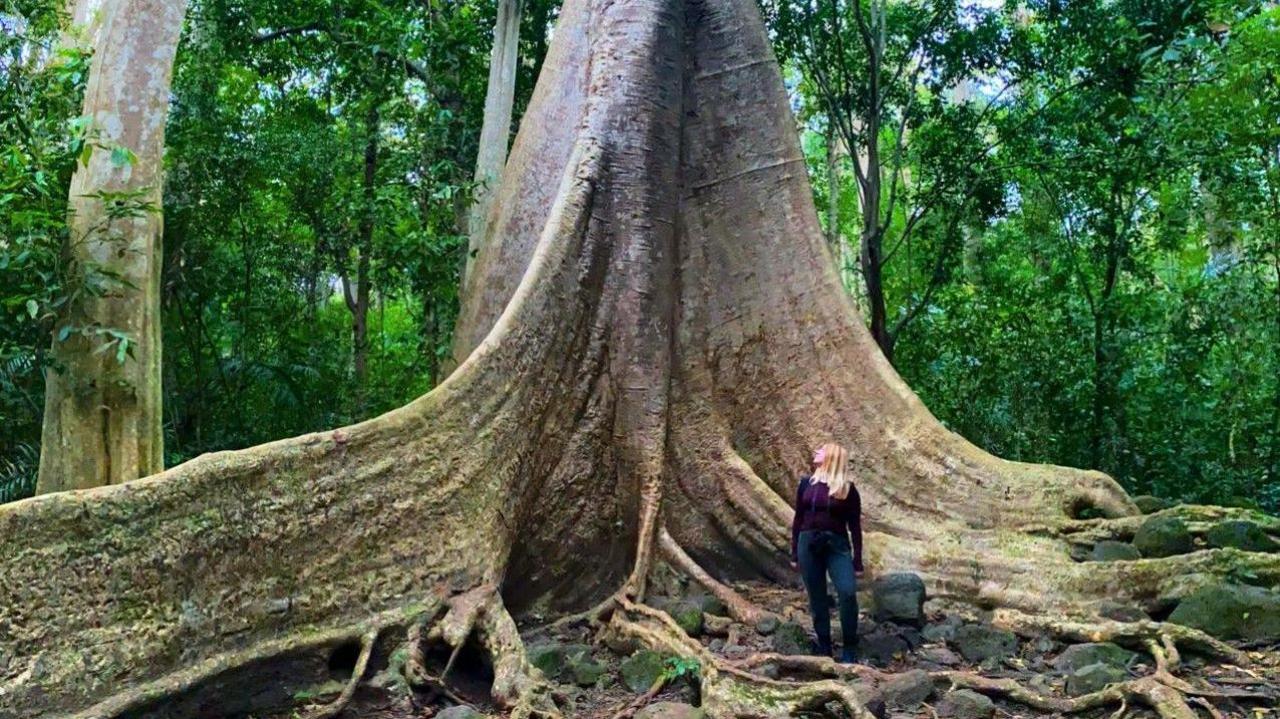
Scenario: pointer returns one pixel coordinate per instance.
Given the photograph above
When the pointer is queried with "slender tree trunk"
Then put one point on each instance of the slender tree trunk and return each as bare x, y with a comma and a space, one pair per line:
364, 249
496, 130
834, 240
102, 421
1104, 381
871, 253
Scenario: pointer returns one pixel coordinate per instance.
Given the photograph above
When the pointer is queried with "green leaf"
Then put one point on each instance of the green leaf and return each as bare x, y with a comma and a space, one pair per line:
33, 308
122, 350
64, 332
121, 156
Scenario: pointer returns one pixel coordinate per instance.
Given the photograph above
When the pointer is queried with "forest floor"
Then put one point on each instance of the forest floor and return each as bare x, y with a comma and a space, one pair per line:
594, 684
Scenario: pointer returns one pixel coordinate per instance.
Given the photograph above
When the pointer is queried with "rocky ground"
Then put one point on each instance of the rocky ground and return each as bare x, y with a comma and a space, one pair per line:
910, 647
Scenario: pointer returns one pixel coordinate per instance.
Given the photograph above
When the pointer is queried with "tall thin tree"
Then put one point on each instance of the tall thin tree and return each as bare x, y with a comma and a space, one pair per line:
496, 130
102, 421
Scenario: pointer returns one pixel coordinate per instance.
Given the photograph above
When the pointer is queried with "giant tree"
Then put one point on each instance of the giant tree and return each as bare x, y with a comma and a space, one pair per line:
102, 416
656, 337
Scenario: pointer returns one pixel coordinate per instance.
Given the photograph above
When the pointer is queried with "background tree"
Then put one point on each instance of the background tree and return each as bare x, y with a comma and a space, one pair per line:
883, 72
102, 416
495, 132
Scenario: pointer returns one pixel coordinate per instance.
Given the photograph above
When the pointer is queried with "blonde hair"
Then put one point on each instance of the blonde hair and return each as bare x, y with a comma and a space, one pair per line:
833, 471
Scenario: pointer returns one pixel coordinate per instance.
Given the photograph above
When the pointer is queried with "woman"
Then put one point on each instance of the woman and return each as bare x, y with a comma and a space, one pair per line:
828, 513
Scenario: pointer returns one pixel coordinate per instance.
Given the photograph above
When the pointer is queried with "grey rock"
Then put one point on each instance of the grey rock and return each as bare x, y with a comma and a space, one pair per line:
1163, 537
460, 712
768, 624
670, 710
899, 598
938, 632
1122, 612
1109, 550
980, 642
1232, 611
881, 648
938, 655
966, 704
735, 652
1240, 534
1094, 677
907, 690
1078, 656
711, 604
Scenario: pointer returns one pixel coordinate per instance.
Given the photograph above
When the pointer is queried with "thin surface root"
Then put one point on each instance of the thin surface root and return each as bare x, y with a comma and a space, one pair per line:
729, 691
334, 708
739, 607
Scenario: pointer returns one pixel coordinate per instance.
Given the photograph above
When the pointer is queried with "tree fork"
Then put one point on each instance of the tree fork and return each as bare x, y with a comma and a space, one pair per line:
653, 340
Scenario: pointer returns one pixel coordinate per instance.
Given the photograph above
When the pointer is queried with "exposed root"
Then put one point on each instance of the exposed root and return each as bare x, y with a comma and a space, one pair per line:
517, 686
728, 691
334, 708
824, 666
739, 607
1122, 632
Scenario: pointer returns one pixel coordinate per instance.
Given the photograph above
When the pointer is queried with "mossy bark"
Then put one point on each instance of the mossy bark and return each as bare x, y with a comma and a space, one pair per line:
652, 341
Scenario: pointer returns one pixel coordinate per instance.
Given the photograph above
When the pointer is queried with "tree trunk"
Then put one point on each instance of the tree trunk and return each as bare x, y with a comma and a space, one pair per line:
654, 341
364, 250
496, 129
834, 241
102, 420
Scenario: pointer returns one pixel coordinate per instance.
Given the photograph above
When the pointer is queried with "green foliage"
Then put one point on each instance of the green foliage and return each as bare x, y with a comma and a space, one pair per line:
687, 668
1119, 307
41, 137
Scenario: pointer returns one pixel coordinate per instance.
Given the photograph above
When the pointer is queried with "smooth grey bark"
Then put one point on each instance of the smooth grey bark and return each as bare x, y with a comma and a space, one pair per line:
496, 130
102, 421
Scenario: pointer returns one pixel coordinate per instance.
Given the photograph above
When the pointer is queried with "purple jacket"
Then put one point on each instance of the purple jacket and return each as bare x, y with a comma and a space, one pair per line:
815, 511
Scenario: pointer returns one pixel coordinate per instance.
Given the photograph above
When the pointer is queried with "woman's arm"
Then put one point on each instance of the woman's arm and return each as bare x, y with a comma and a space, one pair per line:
795, 520
854, 521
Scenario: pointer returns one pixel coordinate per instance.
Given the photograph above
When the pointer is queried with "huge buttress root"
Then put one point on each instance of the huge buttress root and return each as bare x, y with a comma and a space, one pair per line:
653, 338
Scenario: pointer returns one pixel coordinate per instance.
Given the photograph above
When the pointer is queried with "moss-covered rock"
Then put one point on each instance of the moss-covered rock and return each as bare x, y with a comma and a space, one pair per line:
1109, 550
1240, 534
642, 669
1079, 656
790, 638
1094, 677
1232, 611
585, 671
711, 604
966, 704
1148, 503
688, 615
979, 642
1163, 537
